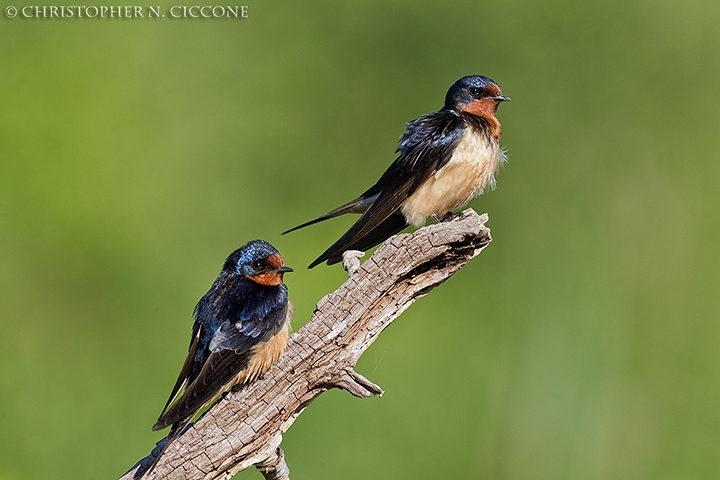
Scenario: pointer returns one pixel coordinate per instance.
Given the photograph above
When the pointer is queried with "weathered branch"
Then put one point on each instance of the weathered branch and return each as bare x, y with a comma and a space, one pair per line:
245, 428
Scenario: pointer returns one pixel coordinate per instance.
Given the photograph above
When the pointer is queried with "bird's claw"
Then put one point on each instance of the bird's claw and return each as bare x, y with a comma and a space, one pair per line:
449, 216
351, 261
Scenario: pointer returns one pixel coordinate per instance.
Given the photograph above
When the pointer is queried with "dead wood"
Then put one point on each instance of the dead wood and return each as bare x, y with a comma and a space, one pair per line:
245, 428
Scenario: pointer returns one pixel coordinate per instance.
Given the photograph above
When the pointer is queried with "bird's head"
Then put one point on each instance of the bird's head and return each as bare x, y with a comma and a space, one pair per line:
474, 94
257, 261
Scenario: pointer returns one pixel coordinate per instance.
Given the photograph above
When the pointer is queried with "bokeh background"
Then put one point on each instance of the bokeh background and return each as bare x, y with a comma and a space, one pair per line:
135, 154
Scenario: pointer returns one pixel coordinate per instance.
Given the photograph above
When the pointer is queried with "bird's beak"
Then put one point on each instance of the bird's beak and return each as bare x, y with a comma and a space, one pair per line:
501, 98
284, 269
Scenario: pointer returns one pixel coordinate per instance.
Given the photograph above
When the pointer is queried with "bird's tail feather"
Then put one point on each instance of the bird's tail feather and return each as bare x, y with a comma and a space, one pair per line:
386, 229
359, 205
175, 432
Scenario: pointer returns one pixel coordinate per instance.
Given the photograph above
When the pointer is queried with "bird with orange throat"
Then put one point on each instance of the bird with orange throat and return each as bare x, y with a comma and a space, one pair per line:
446, 159
241, 328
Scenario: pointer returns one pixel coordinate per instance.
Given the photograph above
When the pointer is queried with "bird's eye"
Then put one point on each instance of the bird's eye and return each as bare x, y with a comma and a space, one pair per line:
257, 265
475, 91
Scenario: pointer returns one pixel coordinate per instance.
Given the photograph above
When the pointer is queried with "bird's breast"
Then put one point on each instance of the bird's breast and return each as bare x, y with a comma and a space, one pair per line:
471, 168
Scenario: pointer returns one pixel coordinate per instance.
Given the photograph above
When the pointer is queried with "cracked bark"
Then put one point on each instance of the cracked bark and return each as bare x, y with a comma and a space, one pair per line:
245, 428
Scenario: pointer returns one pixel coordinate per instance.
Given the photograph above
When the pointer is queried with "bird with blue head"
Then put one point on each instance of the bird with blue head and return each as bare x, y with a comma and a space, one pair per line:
446, 159
241, 328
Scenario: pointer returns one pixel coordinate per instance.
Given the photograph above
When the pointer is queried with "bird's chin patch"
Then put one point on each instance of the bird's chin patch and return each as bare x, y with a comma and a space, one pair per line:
268, 279
485, 107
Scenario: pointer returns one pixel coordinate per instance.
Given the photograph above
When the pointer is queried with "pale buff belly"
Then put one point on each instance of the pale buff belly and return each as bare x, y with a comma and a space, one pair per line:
470, 169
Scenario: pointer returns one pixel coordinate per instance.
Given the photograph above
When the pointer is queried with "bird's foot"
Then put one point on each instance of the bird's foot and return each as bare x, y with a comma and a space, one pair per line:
450, 215
351, 261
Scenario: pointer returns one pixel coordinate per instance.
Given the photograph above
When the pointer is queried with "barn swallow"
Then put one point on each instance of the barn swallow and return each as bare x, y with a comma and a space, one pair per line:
241, 328
446, 158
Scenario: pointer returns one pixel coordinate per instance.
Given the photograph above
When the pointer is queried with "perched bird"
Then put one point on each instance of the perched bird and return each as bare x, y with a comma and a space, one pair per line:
446, 159
241, 328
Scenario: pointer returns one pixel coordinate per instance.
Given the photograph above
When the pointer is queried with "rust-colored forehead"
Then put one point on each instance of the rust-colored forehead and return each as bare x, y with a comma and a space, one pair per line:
494, 89
276, 260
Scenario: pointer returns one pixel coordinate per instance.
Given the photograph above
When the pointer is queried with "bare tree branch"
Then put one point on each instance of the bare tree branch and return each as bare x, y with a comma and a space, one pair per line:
245, 428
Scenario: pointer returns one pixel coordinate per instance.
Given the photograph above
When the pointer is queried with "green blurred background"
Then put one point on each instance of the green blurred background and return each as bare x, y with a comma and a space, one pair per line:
582, 344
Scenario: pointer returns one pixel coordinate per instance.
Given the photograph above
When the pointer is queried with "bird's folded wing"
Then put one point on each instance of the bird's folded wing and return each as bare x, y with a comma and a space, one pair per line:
426, 147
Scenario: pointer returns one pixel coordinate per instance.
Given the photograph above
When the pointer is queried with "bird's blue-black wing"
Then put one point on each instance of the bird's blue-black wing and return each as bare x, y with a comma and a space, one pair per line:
253, 325
426, 146
227, 353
